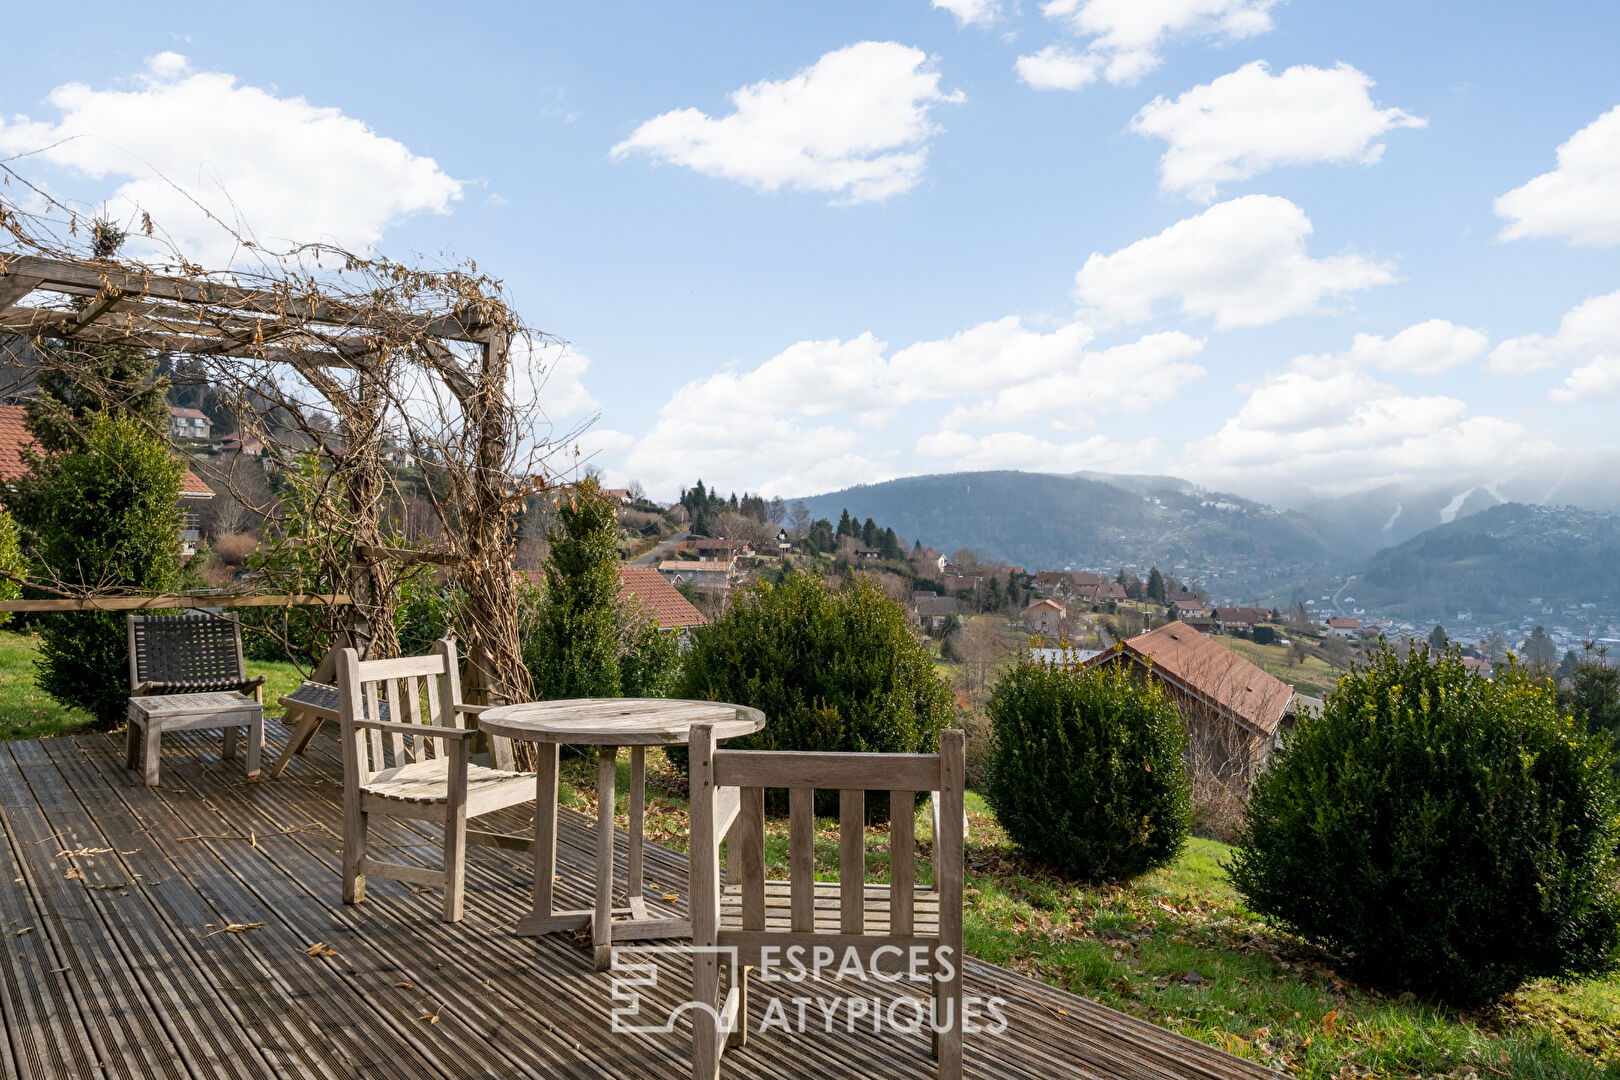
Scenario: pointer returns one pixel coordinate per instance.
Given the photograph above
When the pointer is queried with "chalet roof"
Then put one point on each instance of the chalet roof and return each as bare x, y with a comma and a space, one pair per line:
1049, 605
1111, 590
1344, 623
15, 437
1183, 656
929, 604
1240, 615
703, 566
1188, 605
661, 599
188, 414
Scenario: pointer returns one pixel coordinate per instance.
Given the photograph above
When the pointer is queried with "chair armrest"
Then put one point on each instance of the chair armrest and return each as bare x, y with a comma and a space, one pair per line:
144, 689
428, 731
471, 710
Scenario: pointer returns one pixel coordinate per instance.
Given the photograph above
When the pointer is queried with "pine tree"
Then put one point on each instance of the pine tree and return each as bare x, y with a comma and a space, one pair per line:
1155, 585
869, 533
1438, 639
846, 527
572, 650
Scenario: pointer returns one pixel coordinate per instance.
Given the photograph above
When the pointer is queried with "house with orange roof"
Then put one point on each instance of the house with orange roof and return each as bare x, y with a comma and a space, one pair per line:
1235, 712
15, 438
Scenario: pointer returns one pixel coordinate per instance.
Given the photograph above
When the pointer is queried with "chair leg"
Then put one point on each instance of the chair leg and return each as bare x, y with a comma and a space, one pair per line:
150, 751
255, 747
354, 854
739, 1036
132, 743
229, 751
455, 867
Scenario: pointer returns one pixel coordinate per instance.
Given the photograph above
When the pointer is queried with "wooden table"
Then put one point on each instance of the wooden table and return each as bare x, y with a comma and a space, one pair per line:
607, 724
151, 716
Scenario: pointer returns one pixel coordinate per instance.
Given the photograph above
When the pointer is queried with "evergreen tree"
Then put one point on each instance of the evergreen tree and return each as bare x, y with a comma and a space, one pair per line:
846, 527
103, 513
869, 533
1438, 639
1538, 652
572, 648
1155, 585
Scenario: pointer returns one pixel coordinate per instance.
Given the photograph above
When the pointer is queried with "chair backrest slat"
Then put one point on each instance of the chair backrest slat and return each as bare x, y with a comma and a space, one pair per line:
902, 860
745, 851
802, 858
392, 690
851, 860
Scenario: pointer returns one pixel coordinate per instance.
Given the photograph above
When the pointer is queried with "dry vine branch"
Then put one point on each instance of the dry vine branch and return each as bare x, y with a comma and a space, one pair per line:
326, 354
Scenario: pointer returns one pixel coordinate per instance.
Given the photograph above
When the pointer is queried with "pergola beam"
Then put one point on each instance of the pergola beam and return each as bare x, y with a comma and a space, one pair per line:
75, 277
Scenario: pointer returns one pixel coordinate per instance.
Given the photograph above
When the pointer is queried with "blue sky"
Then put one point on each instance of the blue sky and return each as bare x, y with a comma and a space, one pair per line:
937, 237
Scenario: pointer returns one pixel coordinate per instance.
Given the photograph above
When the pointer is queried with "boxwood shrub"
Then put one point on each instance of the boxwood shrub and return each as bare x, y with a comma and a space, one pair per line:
1449, 833
1086, 774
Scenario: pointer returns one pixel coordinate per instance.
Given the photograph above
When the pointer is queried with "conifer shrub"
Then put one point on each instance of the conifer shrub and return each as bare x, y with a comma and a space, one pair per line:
1450, 834
1086, 774
105, 513
831, 670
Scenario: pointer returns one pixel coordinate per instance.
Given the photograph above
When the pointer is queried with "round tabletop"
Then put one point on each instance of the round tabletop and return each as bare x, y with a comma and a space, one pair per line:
617, 721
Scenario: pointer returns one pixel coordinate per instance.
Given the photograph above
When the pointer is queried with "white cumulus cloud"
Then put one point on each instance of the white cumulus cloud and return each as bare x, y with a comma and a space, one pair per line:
1597, 381
1058, 67
1579, 200
1249, 121
1126, 37
1351, 428
855, 124
972, 12
1589, 328
1426, 348
1241, 263
278, 169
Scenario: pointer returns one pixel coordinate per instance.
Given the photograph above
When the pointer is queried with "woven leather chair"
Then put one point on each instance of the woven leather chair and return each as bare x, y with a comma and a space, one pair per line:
187, 654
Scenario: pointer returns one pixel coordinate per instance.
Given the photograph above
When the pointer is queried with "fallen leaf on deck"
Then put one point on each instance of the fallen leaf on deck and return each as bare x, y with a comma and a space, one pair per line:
235, 928
320, 948
24, 930
405, 986
670, 897
73, 874
432, 1017
83, 851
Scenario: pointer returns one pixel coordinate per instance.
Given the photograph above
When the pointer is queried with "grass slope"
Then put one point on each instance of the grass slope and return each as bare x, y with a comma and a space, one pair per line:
26, 712
1313, 675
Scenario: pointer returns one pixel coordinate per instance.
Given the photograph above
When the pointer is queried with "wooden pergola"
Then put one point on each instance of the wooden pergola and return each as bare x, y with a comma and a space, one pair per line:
345, 347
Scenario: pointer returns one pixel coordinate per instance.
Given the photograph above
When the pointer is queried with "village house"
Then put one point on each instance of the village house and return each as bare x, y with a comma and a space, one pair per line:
659, 599
1186, 608
189, 424
718, 547
710, 575
15, 438
933, 612
1111, 590
251, 446
1239, 620
1044, 617
868, 553
1235, 712
1344, 627
1066, 584
621, 494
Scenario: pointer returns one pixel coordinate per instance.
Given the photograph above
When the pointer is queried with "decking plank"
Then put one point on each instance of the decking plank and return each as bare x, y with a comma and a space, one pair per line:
45, 1033
127, 1027
507, 1006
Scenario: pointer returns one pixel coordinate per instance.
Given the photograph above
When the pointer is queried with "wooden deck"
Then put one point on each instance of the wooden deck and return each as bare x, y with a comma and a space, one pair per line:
195, 930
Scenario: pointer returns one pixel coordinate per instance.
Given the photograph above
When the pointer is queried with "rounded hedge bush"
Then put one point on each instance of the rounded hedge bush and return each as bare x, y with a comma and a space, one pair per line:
1086, 773
1451, 834
831, 670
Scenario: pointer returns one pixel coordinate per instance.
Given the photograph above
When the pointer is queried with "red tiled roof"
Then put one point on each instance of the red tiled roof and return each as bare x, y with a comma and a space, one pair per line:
1183, 656
661, 599
1345, 624
1240, 615
15, 436
1052, 604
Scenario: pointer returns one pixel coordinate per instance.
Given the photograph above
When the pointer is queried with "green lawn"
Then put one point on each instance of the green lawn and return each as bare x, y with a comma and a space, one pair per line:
1313, 675
26, 712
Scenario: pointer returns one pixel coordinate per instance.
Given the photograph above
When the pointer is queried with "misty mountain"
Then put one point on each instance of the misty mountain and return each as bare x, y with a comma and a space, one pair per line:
1494, 563
1230, 545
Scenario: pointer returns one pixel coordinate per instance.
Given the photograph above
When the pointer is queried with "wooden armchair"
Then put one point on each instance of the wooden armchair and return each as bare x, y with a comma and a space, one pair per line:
728, 799
416, 764
188, 654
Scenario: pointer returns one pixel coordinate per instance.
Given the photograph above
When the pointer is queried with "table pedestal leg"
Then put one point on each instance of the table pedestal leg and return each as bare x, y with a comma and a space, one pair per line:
602, 923
638, 811
545, 918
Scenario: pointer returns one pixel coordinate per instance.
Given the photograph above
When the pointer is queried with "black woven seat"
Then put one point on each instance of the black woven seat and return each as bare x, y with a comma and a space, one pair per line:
322, 700
186, 654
